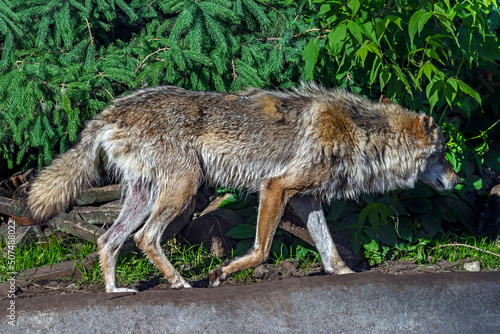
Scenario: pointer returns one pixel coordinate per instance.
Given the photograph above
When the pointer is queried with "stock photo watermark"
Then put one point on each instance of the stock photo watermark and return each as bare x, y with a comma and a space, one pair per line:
11, 267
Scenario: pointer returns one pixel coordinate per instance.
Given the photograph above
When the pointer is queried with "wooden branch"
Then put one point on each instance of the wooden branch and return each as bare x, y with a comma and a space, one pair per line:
295, 226
157, 51
234, 69
310, 30
90, 32
107, 91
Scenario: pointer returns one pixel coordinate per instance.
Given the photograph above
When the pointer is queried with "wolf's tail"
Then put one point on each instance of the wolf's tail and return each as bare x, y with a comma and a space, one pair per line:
57, 185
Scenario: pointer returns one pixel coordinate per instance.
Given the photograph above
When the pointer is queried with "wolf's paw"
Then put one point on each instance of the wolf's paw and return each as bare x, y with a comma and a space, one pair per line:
179, 283
342, 270
115, 290
339, 269
216, 277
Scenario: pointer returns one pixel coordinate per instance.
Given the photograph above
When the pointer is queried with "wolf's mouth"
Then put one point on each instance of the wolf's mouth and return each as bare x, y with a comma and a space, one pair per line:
440, 184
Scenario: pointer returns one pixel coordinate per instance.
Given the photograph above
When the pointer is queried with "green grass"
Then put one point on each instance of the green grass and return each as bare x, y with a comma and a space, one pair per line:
53, 250
194, 262
451, 247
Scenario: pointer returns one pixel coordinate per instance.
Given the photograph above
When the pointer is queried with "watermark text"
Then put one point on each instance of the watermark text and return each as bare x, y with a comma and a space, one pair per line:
11, 267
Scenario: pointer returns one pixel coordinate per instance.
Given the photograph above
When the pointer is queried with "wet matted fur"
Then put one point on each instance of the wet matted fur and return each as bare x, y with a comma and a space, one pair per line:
305, 145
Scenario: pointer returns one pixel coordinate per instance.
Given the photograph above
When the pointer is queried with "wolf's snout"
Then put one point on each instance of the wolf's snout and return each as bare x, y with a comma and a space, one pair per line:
454, 179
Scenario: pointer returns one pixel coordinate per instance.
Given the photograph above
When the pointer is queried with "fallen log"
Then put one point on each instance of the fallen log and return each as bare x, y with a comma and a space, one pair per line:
76, 226
5, 205
100, 195
103, 214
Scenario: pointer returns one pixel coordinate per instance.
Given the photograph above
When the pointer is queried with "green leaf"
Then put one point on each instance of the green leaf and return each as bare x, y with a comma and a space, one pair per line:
478, 184
387, 234
395, 19
453, 209
431, 53
375, 70
469, 91
235, 202
373, 217
372, 246
404, 230
231, 202
337, 209
242, 231
337, 35
385, 76
362, 53
450, 91
355, 30
431, 221
432, 91
373, 48
427, 69
368, 30
492, 159
413, 24
325, 8
310, 56
362, 217
242, 247
356, 242
494, 18
402, 77
354, 6
423, 20
417, 205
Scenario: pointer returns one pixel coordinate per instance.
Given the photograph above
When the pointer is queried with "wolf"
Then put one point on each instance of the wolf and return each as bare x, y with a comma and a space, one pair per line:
302, 146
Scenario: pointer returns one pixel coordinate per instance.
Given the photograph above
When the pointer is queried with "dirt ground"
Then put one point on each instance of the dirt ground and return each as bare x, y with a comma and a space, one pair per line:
266, 272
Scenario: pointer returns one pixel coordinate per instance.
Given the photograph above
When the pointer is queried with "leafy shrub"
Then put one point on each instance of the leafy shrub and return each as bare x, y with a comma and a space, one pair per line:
425, 55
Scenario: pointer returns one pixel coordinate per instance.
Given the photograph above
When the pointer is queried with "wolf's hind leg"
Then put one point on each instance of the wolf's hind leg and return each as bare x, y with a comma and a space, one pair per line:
172, 201
136, 209
311, 212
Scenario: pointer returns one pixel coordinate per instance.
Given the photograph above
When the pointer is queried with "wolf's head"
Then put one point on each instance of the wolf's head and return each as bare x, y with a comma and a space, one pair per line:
437, 172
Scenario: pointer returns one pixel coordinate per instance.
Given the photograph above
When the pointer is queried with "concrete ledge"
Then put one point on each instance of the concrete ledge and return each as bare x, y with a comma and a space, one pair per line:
357, 303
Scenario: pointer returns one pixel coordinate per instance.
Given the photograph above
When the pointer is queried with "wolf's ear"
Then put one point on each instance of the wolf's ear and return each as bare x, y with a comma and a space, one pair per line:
385, 100
423, 128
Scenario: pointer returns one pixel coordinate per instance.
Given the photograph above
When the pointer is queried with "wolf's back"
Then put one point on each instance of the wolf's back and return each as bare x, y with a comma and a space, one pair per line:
57, 185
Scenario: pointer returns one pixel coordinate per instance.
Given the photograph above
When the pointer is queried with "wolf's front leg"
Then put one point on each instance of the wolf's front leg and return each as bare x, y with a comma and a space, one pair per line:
273, 197
310, 211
